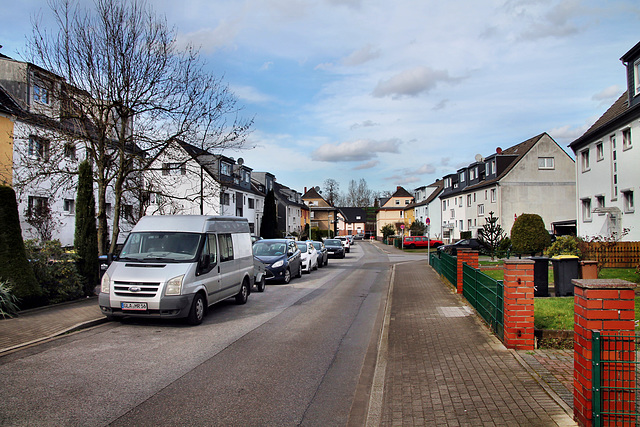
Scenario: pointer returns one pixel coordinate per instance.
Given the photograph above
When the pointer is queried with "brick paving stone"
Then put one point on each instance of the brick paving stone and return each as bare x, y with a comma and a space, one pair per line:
448, 369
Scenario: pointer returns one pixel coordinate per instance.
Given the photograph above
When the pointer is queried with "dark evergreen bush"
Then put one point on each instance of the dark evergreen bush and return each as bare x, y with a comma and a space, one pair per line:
269, 225
529, 234
14, 265
56, 271
86, 233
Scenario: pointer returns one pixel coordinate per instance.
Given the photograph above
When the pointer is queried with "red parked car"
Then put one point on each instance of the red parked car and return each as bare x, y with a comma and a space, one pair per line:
420, 242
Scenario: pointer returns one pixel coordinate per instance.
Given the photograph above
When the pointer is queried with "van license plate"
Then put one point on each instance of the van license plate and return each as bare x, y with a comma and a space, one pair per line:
140, 306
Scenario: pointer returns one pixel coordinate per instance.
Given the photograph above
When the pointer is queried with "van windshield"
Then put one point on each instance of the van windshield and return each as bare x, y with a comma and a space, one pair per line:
161, 246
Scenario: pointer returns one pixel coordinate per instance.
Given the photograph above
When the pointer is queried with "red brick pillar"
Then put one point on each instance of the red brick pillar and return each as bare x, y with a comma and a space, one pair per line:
518, 304
607, 306
465, 256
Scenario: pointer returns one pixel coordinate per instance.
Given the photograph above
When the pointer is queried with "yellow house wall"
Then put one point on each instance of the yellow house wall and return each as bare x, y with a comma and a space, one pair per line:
6, 151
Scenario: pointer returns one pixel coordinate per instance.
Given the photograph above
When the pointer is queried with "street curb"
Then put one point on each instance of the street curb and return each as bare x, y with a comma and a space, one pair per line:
376, 398
536, 376
80, 326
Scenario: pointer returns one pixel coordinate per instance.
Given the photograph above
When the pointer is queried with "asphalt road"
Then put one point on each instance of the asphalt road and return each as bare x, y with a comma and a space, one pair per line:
292, 355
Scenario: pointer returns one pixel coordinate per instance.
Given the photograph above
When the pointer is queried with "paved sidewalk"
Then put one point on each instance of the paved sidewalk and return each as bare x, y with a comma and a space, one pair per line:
40, 324
444, 367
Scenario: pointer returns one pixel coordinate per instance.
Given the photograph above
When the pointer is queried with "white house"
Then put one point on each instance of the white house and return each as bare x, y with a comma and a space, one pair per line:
427, 206
607, 165
44, 162
535, 176
188, 180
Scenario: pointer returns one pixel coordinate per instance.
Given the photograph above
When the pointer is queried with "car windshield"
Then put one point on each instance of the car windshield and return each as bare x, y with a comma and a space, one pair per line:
161, 246
302, 246
333, 242
261, 248
317, 245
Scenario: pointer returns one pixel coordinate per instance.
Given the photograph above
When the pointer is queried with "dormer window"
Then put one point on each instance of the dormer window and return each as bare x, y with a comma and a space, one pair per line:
225, 168
461, 176
636, 76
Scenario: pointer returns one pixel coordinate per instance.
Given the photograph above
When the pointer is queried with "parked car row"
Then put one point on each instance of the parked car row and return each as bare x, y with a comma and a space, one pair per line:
285, 259
420, 242
177, 266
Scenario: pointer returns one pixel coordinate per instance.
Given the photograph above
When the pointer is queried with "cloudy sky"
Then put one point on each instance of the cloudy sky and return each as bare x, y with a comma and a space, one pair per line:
397, 92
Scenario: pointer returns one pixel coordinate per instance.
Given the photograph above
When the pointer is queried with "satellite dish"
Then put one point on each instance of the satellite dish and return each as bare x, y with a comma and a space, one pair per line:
479, 158
240, 161
317, 188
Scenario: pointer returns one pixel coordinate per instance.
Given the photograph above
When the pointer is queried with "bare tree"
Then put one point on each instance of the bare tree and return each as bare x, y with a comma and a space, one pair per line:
332, 191
128, 93
358, 195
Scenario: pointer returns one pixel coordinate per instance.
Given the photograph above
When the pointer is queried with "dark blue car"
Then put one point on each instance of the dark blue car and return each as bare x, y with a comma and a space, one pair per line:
281, 258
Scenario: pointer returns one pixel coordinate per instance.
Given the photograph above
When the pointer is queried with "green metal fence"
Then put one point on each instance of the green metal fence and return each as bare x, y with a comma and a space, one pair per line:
615, 379
434, 261
449, 267
487, 297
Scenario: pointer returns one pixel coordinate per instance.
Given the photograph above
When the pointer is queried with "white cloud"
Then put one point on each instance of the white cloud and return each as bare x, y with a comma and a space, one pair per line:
367, 165
250, 94
364, 124
567, 134
359, 150
361, 56
412, 82
608, 96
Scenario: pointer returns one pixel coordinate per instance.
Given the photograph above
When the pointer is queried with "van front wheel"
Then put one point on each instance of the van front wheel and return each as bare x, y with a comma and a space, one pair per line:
243, 295
196, 314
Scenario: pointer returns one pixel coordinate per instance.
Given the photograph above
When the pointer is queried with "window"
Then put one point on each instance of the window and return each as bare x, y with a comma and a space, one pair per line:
480, 210
468, 224
493, 195
599, 152
251, 203
636, 76
584, 159
397, 202
41, 93
406, 202
472, 174
39, 148
614, 169
546, 163
37, 206
453, 213
460, 202
224, 199
70, 151
447, 182
586, 210
461, 225
461, 176
226, 247
107, 209
69, 206
174, 169
628, 201
225, 169
626, 139
468, 200
485, 194
127, 212
600, 202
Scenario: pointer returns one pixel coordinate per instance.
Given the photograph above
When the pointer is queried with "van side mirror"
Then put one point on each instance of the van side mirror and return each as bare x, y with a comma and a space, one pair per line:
206, 262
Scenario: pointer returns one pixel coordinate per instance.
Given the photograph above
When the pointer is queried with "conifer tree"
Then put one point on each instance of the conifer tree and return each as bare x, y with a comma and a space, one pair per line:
491, 234
14, 266
86, 232
269, 225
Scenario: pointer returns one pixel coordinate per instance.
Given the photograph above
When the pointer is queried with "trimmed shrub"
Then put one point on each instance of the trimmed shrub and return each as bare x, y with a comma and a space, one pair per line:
529, 234
14, 265
564, 245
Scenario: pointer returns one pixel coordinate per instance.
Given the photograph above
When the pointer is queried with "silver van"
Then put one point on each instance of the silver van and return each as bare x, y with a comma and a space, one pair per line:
176, 266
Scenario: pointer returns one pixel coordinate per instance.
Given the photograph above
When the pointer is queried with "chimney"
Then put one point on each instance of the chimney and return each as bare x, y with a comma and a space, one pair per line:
305, 190
398, 187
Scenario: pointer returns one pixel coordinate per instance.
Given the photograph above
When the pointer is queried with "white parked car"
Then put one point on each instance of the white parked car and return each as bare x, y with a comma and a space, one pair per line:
309, 256
346, 242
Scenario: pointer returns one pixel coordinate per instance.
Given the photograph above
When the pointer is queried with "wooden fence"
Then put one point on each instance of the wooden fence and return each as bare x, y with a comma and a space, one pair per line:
620, 254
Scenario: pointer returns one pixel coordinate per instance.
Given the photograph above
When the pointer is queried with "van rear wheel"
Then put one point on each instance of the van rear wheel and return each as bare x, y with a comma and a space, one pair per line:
243, 295
196, 314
